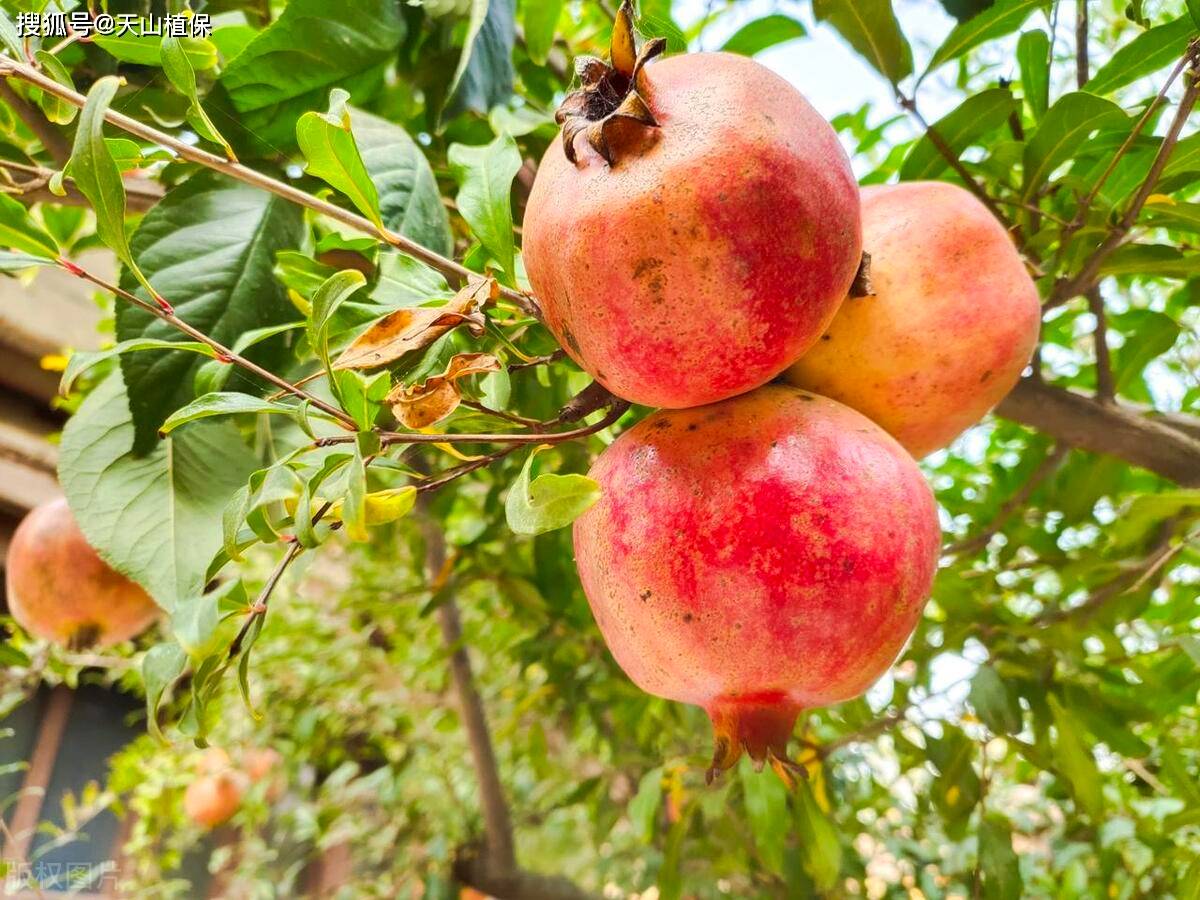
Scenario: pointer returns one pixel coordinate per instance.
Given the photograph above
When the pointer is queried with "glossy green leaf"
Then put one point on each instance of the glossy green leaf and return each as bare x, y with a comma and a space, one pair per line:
548, 501
161, 667
759, 34
19, 231
484, 74
766, 810
178, 68
870, 27
820, 848
83, 360
540, 20
999, 863
1066, 125
974, 118
1003, 17
143, 49
1150, 51
328, 145
995, 705
1033, 56
1073, 757
155, 517
485, 175
60, 112
225, 403
335, 291
1149, 260
18, 262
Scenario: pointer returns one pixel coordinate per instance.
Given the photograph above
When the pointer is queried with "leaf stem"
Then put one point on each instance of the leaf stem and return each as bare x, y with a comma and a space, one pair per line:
223, 352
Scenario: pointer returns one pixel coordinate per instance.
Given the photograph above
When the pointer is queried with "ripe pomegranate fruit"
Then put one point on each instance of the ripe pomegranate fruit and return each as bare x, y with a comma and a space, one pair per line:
953, 320
693, 229
211, 800
756, 557
61, 590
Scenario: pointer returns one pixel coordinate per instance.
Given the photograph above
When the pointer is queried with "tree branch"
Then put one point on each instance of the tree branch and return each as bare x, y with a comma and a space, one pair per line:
140, 193
1081, 43
453, 271
1105, 388
491, 866
1154, 442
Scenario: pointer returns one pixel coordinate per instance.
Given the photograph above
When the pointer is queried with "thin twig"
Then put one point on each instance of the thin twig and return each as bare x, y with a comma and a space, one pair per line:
1065, 289
453, 271
1106, 391
223, 353
1082, 68
142, 193
393, 438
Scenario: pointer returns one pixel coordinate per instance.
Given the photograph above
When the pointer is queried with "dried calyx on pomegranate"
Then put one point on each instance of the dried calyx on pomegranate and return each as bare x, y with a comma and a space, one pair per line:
608, 99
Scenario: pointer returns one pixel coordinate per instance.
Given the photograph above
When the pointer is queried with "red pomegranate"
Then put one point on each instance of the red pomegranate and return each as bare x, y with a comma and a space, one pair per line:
61, 590
757, 557
694, 228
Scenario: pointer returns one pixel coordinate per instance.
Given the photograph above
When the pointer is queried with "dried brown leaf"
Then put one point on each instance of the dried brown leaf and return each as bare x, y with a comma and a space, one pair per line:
406, 330
421, 405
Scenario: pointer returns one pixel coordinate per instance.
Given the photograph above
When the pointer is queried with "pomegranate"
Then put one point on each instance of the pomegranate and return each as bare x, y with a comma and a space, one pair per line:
211, 800
756, 557
61, 590
953, 320
693, 229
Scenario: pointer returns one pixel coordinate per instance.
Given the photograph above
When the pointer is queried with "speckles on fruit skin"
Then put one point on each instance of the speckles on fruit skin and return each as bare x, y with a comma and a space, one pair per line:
704, 266
803, 559
59, 589
953, 321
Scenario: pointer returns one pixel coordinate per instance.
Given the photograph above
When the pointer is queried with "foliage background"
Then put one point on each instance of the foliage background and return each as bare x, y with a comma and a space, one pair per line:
1038, 737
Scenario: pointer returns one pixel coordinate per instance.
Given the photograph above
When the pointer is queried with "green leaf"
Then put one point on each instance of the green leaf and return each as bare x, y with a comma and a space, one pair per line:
1150, 51
995, 705
145, 49
975, 117
1185, 157
19, 231
333, 292
646, 805
328, 145
549, 501
870, 27
1177, 216
820, 849
98, 177
161, 667
225, 403
999, 864
9, 36
1065, 127
60, 112
179, 71
1150, 260
1194, 11
484, 75
766, 810
540, 18
82, 360
410, 202
485, 175
354, 504
1033, 56
1004, 17
1073, 758
156, 518
759, 34
195, 620
210, 246
213, 376
362, 396
1148, 336
17, 262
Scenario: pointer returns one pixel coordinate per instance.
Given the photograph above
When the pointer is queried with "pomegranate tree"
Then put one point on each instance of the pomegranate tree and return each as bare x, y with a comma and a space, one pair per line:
693, 229
952, 321
61, 590
757, 557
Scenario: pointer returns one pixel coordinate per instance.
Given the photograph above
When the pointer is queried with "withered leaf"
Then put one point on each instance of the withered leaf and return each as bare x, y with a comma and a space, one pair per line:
421, 405
405, 330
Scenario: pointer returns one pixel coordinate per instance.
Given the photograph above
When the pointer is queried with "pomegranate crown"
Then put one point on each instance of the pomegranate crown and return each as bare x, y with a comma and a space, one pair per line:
608, 98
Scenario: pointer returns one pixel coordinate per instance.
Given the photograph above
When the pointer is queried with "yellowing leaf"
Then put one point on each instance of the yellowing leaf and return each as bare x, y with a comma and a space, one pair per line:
405, 330
421, 405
